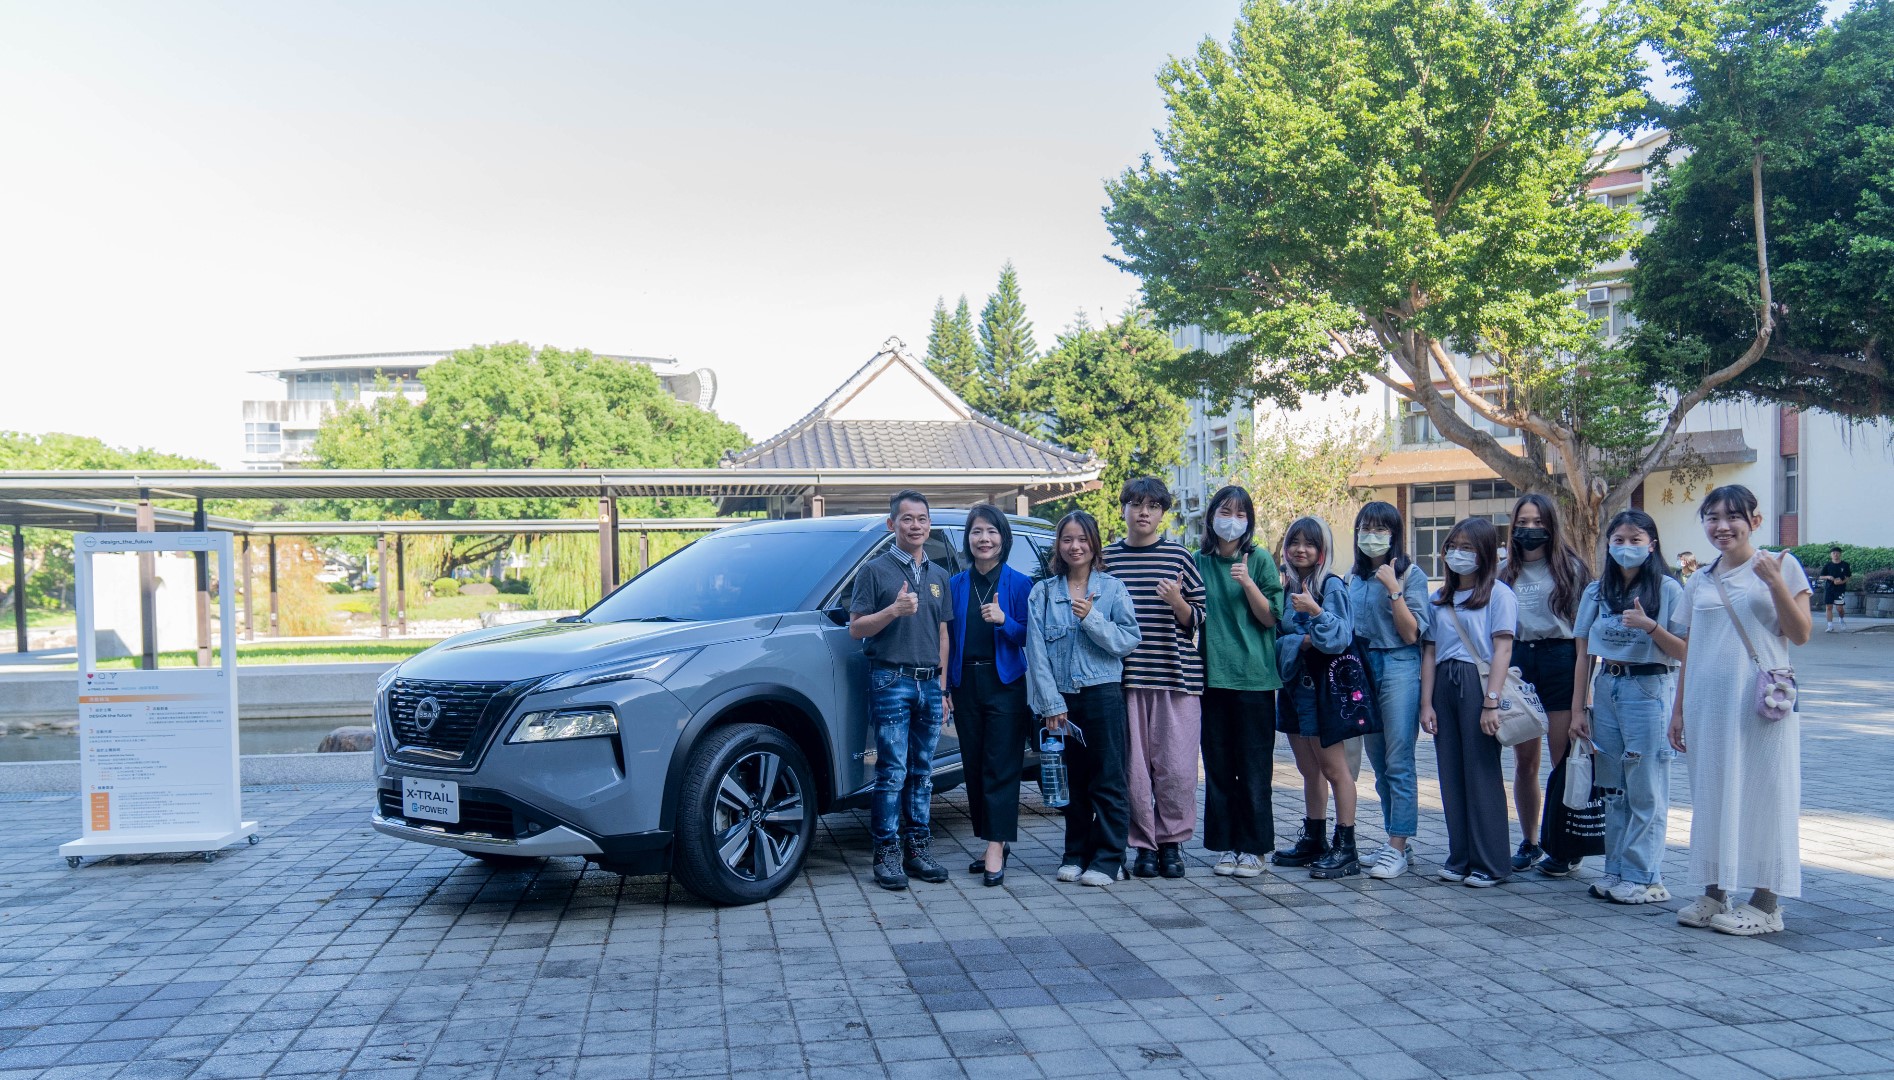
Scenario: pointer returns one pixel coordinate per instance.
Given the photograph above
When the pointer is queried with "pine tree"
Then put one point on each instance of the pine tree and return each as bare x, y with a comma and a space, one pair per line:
950, 355
965, 349
1006, 354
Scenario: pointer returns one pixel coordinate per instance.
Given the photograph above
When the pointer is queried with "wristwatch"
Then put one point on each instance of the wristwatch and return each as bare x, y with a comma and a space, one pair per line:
1492, 701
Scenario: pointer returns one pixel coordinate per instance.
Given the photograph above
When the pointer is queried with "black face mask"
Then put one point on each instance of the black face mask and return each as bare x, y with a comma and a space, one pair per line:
1531, 539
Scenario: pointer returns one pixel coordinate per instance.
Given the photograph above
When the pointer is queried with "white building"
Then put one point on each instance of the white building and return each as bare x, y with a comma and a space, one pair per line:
281, 432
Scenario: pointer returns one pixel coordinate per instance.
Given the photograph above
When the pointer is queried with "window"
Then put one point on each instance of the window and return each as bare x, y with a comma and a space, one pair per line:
1492, 489
262, 440
1432, 493
1416, 426
1026, 557
1497, 400
1791, 483
1219, 446
1624, 199
1430, 537
1503, 525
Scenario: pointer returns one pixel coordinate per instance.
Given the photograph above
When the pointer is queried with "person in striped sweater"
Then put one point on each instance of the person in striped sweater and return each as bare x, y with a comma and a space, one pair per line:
1163, 679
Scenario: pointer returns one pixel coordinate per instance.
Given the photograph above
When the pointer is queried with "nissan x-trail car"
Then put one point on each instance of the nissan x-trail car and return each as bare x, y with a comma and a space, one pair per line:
695, 721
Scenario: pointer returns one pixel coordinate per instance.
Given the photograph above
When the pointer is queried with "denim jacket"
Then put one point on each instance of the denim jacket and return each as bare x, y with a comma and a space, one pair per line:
1331, 631
1064, 654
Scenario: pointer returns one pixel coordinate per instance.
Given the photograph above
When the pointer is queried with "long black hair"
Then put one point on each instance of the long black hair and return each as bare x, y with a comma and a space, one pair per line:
1056, 566
1381, 515
1314, 532
990, 514
1570, 572
1478, 532
1647, 585
1245, 543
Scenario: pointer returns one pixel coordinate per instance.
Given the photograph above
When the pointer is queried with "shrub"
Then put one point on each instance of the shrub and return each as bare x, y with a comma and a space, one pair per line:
444, 587
341, 588
1862, 560
515, 586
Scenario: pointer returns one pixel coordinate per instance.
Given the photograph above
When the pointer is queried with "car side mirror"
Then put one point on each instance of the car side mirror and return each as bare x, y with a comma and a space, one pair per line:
838, 616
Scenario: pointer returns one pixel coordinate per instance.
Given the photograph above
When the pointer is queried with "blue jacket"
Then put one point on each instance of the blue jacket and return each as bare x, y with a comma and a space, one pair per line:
1064, 654
1332, 630
1009, 638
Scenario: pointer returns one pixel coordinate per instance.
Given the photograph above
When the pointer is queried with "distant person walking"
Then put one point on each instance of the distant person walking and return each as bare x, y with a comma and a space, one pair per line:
1744, 611
899, 610
1242, 599
1834, 578
1080, 626
1163, 679
986, 669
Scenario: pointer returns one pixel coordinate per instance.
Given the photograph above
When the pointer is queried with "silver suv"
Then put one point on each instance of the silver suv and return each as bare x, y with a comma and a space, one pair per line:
697, 720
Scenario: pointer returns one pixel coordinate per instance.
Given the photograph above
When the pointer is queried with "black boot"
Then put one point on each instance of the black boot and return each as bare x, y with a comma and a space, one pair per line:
920, 862
1146, 864
1341, 860
1309, 845
888, 873
1170, 860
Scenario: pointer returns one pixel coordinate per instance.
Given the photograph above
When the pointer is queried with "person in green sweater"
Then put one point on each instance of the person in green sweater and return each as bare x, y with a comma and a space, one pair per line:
1242, 593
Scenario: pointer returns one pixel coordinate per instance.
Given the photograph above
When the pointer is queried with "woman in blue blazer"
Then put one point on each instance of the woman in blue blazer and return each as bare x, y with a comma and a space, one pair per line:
986, 669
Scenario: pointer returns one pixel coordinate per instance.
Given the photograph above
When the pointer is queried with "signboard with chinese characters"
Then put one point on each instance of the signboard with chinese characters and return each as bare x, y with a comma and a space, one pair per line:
158, 760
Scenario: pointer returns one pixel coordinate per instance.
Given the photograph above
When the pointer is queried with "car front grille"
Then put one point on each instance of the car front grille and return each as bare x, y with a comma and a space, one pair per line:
484, 818
444, 722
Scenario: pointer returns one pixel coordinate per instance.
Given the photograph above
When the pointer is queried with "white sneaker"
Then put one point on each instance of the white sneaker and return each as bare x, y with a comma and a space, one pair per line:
1226, 865
1453, 876
1702, 911
1370, 857
1248, 865
1747, 920
1601, 889
1635, 892
1069, 873
1830, 630
1097, 879
1390, 863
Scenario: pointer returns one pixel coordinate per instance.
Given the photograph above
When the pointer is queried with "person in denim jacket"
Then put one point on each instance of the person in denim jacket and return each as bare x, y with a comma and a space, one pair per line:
1080, 626
1317, 620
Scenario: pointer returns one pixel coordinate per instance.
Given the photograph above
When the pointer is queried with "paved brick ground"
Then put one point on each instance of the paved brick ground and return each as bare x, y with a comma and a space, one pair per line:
328, 950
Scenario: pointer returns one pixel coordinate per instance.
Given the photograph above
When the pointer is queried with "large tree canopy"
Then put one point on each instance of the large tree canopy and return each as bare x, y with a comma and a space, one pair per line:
1765, 81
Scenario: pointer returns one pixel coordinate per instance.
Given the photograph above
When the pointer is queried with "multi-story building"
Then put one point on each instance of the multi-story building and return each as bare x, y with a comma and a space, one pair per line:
1807, 468
281, 432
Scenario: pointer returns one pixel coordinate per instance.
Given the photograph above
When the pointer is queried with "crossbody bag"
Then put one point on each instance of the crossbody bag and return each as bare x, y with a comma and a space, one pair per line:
1775, 687
1521, 715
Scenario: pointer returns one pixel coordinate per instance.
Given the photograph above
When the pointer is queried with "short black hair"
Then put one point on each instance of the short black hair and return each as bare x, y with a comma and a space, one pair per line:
992, 515
904, 495
1836, 550
1139, 488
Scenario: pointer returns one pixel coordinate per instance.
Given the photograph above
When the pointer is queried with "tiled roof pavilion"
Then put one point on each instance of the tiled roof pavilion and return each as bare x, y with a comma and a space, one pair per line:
893, 416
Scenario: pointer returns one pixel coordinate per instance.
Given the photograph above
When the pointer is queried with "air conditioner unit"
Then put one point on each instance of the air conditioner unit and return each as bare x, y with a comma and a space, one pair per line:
1599, 295
1416, 407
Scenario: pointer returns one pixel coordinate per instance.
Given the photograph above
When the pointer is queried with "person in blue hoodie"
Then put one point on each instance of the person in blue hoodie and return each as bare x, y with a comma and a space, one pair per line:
1318, 620
986, 668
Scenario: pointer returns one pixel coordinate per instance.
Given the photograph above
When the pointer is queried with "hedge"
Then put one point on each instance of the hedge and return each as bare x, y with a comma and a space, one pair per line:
444, 587
1862, 560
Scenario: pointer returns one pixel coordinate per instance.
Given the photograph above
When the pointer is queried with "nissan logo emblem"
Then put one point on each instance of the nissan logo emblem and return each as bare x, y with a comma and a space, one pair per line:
426, 712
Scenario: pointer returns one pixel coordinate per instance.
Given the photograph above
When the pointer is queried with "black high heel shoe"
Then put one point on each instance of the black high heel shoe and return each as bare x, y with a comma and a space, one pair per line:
990, 878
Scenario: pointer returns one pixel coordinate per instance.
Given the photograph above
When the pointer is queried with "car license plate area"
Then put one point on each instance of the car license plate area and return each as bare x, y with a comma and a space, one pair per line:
430, 800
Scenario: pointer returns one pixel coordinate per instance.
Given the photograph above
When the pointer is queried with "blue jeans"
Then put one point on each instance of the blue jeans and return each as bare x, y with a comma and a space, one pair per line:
907, 715
1630, 717
1396, 674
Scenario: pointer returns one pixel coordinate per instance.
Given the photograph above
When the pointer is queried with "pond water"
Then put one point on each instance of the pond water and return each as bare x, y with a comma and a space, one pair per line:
285, 737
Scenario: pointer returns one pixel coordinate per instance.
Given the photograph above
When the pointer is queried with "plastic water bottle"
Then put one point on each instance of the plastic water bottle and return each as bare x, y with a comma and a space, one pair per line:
1054, 786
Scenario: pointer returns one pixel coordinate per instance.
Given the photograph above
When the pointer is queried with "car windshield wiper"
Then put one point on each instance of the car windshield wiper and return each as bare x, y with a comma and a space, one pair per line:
657, 618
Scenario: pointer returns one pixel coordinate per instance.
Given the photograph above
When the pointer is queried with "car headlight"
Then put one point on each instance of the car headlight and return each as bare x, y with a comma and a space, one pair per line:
546, 725
386, 678
654, 668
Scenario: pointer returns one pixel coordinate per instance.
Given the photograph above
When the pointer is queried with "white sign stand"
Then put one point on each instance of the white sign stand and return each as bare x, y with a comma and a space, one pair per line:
158, 762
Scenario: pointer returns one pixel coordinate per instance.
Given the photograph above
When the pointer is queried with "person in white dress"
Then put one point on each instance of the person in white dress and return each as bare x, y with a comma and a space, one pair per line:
1745, 770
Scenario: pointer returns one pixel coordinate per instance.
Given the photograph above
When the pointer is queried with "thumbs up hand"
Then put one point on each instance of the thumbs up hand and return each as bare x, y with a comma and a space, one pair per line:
1769, 568
1636, 619
905, 602
991, 612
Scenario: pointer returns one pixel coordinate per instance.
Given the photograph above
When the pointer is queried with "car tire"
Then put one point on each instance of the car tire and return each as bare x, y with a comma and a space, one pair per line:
746, 815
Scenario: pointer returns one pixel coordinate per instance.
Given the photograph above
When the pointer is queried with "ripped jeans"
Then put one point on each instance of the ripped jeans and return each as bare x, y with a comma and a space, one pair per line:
1629, 724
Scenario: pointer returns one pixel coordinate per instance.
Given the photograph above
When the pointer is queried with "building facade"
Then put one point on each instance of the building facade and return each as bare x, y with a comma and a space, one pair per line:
280, 432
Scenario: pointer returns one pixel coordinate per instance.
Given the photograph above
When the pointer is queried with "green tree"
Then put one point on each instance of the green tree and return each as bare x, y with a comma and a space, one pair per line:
1784, 134
1101, 391
951, 352
1396, 190
1006, 355
512, 407
1291, 469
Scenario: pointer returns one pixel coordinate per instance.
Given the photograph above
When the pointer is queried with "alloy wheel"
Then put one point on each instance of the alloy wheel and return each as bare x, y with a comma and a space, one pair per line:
757, 827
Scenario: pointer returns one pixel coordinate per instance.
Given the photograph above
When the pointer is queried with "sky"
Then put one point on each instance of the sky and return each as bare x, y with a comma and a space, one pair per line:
195, 191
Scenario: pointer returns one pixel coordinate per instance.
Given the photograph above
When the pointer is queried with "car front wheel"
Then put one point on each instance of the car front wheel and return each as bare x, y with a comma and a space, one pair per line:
746, 816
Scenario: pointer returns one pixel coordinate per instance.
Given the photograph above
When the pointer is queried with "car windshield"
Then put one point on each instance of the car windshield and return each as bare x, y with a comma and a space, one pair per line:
730, 575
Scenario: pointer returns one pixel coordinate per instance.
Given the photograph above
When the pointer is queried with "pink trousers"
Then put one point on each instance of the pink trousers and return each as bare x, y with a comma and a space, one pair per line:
1166, 728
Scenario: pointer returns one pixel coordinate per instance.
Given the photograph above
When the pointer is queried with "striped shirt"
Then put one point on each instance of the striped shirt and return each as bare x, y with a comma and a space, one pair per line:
1167, 658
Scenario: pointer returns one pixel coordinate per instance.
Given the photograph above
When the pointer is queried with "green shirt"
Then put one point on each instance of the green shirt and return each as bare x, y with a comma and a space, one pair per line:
1239, 652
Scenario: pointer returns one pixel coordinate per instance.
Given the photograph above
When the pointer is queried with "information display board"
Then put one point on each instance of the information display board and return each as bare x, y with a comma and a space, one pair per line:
158, 762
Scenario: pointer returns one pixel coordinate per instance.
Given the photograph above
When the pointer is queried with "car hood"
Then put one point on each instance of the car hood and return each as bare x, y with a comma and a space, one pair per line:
534, 650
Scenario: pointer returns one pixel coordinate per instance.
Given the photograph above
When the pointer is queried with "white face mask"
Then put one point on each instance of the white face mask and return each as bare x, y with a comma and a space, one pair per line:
1230, 528
1374, 544
1462, 562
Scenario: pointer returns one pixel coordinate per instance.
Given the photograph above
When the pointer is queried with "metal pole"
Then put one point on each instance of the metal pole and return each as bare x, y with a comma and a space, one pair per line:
381, 579
202, 559
249, 608
401, 585
19, 588
147, 589
644, 552
607, 546
273, 620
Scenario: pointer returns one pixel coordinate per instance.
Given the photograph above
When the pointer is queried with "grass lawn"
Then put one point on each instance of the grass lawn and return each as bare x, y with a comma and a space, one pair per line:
43, 618
433, 607
291, 652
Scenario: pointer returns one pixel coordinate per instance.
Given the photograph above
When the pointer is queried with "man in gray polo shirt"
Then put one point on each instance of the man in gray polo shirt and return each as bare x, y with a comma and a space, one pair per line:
899, 610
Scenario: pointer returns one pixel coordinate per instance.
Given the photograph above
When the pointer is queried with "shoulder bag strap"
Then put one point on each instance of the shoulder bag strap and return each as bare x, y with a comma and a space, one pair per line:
1486, 667
1723, 592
